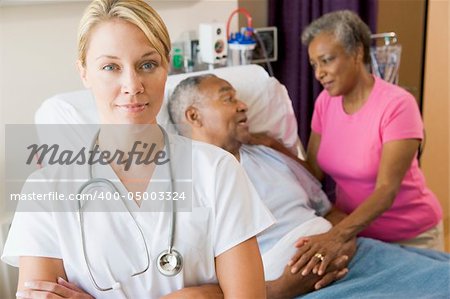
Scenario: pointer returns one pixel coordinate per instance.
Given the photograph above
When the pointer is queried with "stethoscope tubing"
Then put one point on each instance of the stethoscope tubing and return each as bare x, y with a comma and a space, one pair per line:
91, 180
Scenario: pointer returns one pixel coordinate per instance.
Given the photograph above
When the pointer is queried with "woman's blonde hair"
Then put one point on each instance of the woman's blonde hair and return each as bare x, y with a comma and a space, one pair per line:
136, 12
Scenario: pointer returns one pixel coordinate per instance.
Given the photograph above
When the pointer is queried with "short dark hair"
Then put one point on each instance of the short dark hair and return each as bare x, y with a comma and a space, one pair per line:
346, 26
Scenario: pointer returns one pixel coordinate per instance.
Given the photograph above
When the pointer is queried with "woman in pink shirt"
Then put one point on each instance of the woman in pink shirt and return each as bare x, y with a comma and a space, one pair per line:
365, 135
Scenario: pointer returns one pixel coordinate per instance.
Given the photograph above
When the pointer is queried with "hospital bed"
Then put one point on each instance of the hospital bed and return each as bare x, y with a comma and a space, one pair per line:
269, 106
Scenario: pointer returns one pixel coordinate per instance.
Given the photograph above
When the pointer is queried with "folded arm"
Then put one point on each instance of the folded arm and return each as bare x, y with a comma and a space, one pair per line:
240, 274
41, 277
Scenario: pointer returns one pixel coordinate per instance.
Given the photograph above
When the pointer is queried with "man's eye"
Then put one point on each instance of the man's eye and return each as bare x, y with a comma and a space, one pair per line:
230, 99
109, 67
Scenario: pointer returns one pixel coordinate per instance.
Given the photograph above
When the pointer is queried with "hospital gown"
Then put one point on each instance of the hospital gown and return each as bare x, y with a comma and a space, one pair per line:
378, 270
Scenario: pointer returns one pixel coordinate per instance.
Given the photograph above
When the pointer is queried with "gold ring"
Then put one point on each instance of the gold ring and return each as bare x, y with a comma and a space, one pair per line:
319, 256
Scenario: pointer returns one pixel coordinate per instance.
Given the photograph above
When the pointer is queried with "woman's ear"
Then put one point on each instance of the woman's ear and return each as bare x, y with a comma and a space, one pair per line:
83, 74
193, 117
360, 54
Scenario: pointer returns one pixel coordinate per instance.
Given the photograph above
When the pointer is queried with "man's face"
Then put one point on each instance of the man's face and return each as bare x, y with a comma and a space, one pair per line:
223, 116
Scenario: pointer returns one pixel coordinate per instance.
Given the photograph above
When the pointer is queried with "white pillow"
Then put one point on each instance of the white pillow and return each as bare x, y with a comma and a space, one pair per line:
270, 109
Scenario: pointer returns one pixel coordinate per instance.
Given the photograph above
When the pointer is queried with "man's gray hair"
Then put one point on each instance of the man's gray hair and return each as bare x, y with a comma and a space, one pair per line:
186, 94
346, 26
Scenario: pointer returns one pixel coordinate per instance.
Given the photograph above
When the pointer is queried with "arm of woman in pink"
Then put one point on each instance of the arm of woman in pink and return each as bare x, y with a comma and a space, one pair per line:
395, 160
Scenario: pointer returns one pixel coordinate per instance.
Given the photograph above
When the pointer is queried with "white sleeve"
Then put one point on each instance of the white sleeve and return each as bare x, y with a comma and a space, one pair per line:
239, 212
32, 233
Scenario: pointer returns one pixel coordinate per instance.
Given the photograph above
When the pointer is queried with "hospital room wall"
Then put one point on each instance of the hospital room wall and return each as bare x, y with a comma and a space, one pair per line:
38, 46
406, 19
436, 107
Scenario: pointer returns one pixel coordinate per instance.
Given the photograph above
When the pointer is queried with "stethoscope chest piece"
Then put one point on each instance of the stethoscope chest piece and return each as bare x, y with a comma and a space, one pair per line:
169, 263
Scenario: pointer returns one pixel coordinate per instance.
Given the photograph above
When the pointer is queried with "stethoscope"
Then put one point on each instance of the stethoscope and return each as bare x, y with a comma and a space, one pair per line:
169, 262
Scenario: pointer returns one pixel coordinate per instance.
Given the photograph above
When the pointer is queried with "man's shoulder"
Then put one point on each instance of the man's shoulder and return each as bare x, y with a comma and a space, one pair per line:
200, 151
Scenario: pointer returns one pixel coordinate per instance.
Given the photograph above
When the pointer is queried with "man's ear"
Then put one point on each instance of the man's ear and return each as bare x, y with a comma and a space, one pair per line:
193, 116
83, 74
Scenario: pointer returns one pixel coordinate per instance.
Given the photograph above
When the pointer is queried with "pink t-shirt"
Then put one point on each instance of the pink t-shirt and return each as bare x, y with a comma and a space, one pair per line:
350, 152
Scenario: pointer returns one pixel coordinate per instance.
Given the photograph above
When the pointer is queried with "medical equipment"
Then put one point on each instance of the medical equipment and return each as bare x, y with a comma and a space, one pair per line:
266, 49
177, 57
385, 58
213, 43
169, 262
241, 44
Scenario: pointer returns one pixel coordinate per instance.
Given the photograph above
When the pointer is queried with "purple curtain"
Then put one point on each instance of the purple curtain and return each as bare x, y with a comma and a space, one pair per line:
292, 68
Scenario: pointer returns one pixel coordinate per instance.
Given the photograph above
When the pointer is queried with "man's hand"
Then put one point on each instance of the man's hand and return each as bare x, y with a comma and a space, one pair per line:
52, 290
290, 285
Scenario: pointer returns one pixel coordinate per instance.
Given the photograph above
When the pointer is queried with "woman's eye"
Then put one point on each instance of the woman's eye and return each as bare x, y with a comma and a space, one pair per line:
109, 67
328, 60
148, 66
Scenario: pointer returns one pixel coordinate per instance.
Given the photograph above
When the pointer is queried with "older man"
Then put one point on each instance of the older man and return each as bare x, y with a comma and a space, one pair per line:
206, 109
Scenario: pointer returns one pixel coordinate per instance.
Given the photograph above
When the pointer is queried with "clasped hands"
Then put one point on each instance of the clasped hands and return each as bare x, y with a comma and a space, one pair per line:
316, 253
308, 271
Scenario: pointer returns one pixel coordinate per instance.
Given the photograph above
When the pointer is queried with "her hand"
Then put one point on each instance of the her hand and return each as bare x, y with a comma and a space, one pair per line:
319, 250
262, 139
46, 289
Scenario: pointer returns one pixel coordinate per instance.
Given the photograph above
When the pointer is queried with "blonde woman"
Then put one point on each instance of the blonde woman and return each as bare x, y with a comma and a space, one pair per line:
123, 59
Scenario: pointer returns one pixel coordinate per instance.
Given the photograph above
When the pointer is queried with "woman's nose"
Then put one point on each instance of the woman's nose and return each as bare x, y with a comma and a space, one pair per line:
131, 83
319, 72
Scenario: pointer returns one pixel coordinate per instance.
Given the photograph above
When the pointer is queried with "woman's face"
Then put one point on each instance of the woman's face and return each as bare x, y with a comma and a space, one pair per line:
124, 73
334, 68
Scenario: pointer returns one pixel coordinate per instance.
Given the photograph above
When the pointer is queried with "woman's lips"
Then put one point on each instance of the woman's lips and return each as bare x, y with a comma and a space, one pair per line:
133, 108
327, 85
